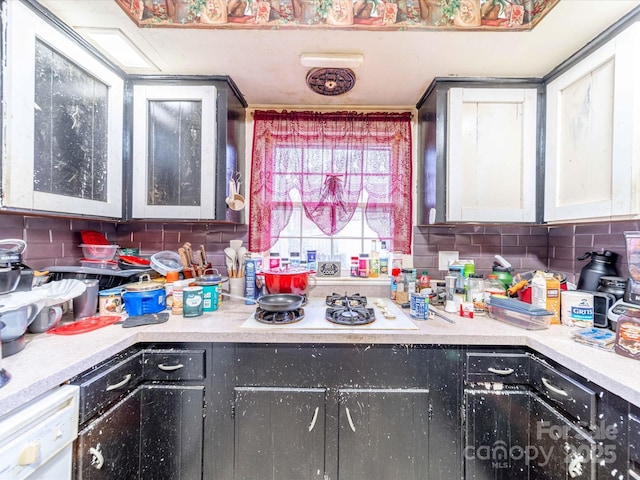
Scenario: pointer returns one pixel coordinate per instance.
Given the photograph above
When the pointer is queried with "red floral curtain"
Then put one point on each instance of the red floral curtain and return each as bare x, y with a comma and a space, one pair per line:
330, 158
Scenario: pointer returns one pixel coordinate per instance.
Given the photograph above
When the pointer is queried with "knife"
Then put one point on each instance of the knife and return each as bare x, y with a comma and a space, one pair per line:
433, 310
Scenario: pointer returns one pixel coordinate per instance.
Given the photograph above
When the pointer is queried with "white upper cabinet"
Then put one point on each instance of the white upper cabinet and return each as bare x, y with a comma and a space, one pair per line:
174, 145
491, 154
63, 122
593, 135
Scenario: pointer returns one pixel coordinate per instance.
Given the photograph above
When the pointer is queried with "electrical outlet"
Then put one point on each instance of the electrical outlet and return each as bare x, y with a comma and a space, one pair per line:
445, 258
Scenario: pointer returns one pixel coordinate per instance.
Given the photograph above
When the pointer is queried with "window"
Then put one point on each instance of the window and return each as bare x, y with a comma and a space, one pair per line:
330, 182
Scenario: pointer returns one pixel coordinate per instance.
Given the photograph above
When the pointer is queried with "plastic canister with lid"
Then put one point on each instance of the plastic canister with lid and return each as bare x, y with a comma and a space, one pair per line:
178, 287
576, 308
110, 301
493, 286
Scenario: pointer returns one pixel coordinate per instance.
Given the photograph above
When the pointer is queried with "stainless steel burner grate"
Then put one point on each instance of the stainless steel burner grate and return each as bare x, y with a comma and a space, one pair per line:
279, 318
356, 300
350, 316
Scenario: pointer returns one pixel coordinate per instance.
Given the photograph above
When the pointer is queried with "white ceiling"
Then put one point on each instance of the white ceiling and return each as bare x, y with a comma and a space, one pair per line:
398, 66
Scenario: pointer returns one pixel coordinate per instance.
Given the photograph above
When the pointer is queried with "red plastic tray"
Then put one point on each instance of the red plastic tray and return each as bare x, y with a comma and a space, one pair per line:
85, 325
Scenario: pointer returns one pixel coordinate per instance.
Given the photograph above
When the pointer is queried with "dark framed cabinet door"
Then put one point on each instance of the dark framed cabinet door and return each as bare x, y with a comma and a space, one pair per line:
109, 447
279, 433
171, 432
565, 451
383, 434
497, 434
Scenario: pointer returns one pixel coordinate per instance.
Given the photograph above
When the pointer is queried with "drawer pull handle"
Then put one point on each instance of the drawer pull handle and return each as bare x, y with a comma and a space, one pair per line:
497, 371
353, 427
97, 460
124, 381
633, 475
554, 389
314, 419
170, 368
575, 466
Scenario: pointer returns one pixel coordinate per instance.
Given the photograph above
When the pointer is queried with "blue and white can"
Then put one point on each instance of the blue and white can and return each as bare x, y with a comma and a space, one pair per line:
418, 306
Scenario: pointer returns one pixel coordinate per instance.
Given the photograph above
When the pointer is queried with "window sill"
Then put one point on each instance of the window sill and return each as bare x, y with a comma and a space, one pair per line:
351, 281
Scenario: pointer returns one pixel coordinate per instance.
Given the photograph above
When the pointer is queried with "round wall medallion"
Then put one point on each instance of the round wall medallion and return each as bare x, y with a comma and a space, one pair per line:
331, 81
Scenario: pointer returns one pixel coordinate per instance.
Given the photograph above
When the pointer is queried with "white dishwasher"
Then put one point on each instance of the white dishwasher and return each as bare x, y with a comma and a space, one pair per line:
36, 440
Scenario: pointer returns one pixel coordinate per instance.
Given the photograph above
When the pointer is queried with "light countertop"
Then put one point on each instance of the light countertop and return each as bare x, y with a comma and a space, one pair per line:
49, 360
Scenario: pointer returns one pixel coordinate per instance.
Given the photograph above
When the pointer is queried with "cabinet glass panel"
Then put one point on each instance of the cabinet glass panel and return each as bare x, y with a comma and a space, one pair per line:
175, 151
70, 114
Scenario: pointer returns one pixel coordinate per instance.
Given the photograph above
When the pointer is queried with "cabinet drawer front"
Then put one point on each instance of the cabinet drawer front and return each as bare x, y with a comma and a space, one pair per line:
99, 391
497, 367
634, 438
173, 365
575, 399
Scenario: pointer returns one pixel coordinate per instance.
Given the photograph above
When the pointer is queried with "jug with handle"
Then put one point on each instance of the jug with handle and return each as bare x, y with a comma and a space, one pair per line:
601, 264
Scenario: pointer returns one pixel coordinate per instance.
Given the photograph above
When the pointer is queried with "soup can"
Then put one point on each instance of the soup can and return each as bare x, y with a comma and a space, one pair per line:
192, 302
418, 306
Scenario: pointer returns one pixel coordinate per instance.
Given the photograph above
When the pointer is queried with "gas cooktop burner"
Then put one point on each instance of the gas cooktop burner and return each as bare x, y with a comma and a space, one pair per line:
355, 301
350, 315
278, 318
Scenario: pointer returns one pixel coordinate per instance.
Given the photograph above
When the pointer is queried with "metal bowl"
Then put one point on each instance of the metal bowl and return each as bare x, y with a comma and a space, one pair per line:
280, 302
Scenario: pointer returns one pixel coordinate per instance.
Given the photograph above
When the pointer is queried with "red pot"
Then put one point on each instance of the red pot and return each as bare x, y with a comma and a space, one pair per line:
293, 281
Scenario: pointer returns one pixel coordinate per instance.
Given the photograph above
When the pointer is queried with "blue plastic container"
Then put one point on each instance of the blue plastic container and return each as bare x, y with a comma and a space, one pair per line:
139, 303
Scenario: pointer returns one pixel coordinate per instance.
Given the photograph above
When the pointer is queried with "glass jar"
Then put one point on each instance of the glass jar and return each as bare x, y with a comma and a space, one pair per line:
409, 275
493, 286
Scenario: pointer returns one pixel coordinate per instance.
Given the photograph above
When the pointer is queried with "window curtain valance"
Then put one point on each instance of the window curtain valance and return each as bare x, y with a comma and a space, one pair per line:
330, 159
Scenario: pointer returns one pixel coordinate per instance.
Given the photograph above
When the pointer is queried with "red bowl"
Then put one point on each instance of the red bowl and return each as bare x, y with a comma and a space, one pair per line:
293, 281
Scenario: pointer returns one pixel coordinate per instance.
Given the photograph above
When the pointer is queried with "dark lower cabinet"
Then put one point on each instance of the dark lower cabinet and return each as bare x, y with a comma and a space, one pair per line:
155, 433
171, 430
279, 433
326, 412
497, 434
109, 446
144, 415
559, 449
383, 434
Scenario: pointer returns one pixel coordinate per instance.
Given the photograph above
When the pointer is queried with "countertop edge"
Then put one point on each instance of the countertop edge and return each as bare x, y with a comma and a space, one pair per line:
58, 359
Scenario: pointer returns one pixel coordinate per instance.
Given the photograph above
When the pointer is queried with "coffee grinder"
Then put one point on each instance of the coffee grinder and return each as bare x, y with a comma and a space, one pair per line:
631, 298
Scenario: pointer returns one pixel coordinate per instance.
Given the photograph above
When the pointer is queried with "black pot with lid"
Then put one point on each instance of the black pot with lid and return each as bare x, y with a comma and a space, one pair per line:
601, 264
